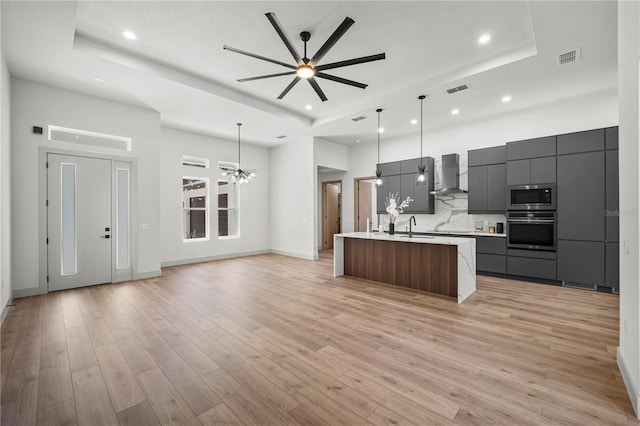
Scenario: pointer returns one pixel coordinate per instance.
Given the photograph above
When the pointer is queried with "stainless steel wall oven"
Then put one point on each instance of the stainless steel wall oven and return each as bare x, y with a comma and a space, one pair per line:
532, 230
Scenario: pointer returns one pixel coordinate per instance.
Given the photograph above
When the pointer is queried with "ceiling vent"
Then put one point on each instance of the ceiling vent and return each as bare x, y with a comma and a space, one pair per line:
362, 117
458, 89
568, 57
281, 137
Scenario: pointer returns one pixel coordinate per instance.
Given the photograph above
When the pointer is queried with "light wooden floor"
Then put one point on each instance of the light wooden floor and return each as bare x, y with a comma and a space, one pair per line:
275, 340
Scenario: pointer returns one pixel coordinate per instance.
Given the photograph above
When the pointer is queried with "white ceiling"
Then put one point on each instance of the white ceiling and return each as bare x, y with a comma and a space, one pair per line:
178, 67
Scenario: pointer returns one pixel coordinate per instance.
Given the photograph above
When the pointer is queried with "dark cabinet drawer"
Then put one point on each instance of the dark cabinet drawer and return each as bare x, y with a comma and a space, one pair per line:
491, 263
592, 140
530, 267
531, 148
487, 156
491, 245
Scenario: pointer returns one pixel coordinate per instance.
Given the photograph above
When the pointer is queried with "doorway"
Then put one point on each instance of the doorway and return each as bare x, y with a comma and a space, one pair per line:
365, 204
331, 212
88, 221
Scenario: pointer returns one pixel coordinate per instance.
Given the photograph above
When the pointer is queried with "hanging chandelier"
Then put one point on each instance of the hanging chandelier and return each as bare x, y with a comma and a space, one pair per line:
238, 176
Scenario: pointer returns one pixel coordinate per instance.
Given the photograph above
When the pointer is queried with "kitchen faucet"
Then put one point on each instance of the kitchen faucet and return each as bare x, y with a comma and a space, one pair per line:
412, 218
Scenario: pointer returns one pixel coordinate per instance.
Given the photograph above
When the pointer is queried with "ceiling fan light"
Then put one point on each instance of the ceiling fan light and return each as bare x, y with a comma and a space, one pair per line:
305, 71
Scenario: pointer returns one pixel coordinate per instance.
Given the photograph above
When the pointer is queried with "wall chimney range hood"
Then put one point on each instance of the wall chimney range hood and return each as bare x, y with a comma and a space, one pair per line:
450, 176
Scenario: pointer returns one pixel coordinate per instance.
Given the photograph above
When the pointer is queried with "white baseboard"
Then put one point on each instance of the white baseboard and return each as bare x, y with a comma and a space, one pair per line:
146, 274
293, 254
26, 292
211, 258
628, 382
5, 311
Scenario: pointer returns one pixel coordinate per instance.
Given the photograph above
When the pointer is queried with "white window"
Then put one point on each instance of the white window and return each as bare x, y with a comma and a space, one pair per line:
195, 208
227, 209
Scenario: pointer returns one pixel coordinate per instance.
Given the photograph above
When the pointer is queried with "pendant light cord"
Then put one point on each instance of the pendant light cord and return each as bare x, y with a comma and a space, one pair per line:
379, 110
239, 124
421, 97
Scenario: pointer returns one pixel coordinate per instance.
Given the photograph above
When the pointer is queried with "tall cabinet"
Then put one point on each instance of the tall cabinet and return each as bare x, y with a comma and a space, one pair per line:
587, 207
487, 180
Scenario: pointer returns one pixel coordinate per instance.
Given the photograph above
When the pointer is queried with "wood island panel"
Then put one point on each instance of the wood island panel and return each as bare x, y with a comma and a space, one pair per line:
425, 267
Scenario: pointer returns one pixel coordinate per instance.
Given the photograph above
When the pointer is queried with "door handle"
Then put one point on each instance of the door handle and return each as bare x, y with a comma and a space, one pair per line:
106, 236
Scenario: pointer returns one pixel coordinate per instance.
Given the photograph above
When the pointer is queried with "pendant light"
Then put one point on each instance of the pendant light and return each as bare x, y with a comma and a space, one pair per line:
422, 179
378, 171
238, 176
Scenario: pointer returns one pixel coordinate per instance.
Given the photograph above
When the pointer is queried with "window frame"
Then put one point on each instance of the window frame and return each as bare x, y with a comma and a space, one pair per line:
236, 208
206, 209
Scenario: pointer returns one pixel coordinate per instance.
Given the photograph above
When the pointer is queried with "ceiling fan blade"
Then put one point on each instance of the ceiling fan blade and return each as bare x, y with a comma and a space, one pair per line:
341, 80
353, 61
332, 40
285, 38
289, 87
242, 80
253, 55
317, 88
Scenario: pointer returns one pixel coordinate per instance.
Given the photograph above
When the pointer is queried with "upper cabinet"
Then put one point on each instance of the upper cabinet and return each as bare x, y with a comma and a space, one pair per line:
531, 161
402, 177
487, 180
574, 143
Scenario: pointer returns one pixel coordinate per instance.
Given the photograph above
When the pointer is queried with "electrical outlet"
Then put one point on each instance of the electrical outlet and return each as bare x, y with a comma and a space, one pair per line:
625, 246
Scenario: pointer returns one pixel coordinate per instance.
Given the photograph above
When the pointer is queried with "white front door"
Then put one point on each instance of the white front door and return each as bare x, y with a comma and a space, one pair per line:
79, 221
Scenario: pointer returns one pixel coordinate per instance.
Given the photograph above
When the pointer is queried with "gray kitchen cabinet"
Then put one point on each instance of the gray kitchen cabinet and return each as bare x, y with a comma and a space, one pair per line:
543, 170
581, 197
531, 148
519, 172
572, 143
531, 267
409, 166
491, 254
531, 171
390, 185
487, 156
612, 265
389, 169
491, 263
612, 196
491, 245
487, 180
478, 189
581, 262
611, 137
408, 189
424, 202
497, 183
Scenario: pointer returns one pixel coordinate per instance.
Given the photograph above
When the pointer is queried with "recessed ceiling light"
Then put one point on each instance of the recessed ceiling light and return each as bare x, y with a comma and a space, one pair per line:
129, 35
484, 39
308, 106
455, 111
506, 98
99, 80
380, 129
414, 121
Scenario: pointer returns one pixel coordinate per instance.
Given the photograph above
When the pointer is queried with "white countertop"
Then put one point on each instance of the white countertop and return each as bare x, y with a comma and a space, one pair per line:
422, 239
479, 234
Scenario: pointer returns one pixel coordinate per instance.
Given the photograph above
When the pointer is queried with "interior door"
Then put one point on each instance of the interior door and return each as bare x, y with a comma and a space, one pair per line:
78, 221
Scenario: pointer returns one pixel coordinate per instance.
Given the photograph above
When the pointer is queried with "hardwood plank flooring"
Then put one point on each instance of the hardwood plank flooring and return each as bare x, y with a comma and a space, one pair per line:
272, 340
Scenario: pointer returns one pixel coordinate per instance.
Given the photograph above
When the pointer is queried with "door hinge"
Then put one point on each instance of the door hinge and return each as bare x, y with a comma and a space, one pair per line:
47, 164
47, 278
47, 240
47, 203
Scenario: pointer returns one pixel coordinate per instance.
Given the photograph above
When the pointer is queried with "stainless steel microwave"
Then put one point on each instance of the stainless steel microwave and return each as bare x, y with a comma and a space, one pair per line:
532, 197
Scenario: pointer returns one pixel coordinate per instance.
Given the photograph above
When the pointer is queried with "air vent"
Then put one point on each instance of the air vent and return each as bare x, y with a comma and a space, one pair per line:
458, 89
190, 161
362, 117
568, 57
281, 137
582, 286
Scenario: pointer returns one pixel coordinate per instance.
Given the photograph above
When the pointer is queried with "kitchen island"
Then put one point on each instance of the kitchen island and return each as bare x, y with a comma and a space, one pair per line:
443, 265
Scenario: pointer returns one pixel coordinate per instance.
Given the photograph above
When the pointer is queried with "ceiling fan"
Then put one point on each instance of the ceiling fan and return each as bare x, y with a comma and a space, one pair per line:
306, 68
